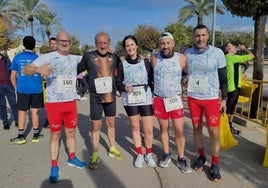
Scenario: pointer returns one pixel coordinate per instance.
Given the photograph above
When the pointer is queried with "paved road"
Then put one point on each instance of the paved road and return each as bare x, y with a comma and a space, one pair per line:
29, 165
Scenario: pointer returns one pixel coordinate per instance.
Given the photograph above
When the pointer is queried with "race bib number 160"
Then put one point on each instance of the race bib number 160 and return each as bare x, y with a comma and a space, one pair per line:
66, 84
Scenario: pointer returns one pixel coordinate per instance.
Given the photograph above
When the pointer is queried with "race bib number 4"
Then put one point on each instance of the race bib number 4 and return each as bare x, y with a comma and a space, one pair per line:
173, 103
138, 95
66, 84
103, 85
198, 84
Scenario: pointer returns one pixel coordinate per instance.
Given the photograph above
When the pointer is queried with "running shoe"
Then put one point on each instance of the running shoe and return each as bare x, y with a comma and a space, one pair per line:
54, 176
94, 163
6, 126
18, 140
139, 160
76, 162
200, 163
235, 131
215, 173
164, 162
149, 160
37, 138
115, 153
183, 166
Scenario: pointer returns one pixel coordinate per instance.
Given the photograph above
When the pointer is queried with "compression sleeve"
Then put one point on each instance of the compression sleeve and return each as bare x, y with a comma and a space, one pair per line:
150, 70
82, 65
120, 78
223, 82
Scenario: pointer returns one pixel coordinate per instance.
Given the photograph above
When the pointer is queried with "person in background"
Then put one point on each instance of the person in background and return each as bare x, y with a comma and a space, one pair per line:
7, 91
101, 66
234, 75
60, 69
206, 68
135, 83
82, 86
168, 66
29, 91
52, 44
53, 47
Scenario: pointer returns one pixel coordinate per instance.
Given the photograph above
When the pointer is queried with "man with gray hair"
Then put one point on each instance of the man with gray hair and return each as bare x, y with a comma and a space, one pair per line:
101, 66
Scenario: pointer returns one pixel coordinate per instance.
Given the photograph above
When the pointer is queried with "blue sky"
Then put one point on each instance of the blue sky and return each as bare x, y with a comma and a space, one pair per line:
84, 18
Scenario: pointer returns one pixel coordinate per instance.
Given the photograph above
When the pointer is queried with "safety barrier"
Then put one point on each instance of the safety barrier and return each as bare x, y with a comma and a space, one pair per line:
258, 89
250, 91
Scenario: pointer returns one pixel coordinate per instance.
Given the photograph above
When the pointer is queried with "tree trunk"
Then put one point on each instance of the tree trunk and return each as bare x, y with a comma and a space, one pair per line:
199, 20
32, 29
259, 34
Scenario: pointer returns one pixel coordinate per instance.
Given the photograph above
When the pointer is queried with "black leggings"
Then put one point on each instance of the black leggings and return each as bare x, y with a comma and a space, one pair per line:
232, 101
143, 110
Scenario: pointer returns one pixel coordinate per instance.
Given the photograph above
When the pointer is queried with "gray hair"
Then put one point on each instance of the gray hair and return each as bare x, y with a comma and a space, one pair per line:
102, 33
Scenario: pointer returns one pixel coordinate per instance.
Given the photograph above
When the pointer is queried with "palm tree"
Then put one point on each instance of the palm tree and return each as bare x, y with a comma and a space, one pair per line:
7, 19
199, 8
28, 11
5, 10
50, 25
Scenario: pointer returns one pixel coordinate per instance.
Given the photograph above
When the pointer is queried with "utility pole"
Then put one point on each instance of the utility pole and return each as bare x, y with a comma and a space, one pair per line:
214, 23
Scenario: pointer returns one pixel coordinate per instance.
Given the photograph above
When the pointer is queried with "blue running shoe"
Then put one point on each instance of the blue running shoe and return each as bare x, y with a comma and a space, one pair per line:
76, 162
200, 163
54, 176
215, 173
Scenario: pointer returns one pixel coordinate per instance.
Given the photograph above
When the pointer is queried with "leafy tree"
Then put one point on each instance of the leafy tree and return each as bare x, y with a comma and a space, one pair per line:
241, 38
75, 49
29, 10
6, 12
258, 10
147, 37
7, 27
182, 35
50, 25
119, 48
85, 48
199, 8
3, 39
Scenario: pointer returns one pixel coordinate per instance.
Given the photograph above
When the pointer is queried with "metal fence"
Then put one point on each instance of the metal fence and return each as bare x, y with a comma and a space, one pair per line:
252, 92
253, 101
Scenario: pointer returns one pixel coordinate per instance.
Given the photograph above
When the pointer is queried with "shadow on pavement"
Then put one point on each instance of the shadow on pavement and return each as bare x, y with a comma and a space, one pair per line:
63, 183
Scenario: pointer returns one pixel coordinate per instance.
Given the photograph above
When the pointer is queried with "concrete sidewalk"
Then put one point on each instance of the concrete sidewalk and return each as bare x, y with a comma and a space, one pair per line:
28, 165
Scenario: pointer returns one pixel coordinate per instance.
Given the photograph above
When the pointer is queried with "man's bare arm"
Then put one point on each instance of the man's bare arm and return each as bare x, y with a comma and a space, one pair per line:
45, 70
13, 79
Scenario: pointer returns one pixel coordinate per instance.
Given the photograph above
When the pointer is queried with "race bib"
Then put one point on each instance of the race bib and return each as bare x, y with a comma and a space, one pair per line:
173, 103
66, 84
103, 85
198, 84
137, 95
